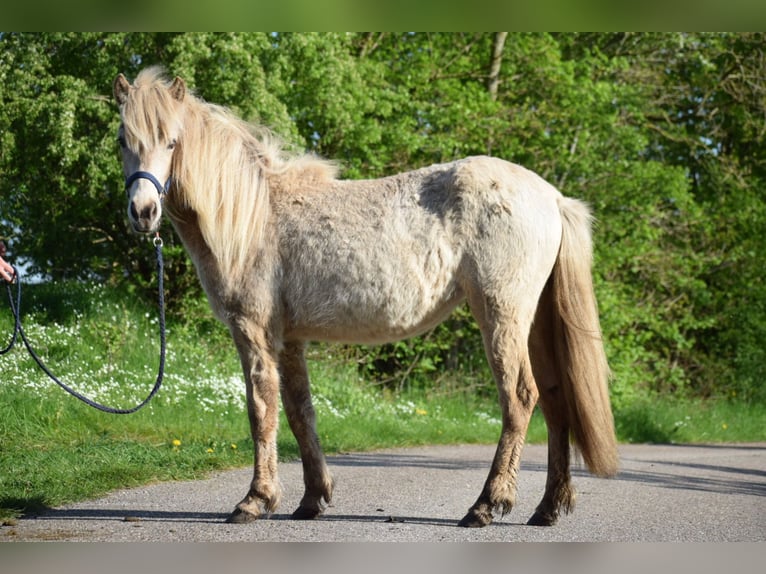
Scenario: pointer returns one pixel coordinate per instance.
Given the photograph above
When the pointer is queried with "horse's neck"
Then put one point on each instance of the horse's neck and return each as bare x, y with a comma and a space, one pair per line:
185, 223
224, 291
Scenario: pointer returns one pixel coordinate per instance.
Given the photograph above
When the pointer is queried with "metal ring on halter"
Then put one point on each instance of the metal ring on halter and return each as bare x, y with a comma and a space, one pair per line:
158, 240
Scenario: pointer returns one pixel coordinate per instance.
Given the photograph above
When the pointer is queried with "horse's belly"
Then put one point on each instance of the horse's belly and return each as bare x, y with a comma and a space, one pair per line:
363, 322
373, 301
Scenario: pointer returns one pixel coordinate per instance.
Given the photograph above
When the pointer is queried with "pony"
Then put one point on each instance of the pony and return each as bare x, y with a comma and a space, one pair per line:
288, 253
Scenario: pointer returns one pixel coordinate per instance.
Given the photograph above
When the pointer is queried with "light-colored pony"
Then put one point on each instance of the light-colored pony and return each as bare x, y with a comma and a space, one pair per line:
287, 254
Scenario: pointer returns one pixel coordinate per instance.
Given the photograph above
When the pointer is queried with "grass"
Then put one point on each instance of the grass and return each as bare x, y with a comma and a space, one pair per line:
653, 420
54, 449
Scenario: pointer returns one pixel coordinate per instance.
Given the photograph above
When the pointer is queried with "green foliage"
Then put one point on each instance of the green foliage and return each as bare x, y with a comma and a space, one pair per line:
663, 134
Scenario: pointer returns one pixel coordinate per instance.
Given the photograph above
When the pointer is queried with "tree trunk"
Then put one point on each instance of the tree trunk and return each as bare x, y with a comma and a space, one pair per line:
494, 66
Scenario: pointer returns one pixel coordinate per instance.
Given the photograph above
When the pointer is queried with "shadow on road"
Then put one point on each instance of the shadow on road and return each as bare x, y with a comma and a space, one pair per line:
128, 515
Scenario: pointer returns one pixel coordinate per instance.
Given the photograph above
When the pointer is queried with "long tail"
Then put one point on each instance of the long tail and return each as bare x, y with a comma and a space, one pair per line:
579, 350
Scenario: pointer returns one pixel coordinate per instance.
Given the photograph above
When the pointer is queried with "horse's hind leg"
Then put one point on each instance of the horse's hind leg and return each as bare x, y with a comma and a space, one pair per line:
296, 398
505, 340
559, 492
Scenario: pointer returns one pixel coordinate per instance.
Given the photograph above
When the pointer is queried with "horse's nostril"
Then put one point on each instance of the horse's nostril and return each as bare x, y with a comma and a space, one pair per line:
133, 212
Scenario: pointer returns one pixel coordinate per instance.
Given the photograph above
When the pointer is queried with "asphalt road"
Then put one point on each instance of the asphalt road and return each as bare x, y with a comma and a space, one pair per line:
662, 494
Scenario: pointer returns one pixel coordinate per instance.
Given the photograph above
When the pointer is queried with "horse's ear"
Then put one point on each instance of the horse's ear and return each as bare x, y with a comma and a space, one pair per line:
178, 89
121, 88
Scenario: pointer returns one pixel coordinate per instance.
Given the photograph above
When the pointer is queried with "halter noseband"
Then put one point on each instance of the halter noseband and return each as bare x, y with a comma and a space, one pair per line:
161, 189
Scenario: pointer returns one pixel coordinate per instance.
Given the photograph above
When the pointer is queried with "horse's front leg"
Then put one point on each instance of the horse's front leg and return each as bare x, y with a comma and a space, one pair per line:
257, 354
296, 397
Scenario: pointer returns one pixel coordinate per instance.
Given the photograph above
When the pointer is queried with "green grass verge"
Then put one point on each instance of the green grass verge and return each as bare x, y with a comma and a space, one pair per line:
54, 449
659, 420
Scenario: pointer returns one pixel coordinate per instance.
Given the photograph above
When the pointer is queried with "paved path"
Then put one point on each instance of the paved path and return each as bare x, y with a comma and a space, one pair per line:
663, 493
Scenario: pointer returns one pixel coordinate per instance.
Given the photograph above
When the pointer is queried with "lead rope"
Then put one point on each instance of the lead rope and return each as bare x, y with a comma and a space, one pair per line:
18, 330
17, 323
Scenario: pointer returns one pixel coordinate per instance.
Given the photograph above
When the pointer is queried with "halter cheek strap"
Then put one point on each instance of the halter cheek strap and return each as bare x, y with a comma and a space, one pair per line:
161, 189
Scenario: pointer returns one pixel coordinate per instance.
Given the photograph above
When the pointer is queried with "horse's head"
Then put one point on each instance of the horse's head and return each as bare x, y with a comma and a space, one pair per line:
150, 131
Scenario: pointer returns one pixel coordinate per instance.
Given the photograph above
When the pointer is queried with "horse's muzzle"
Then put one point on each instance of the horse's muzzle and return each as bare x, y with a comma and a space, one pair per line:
146, 218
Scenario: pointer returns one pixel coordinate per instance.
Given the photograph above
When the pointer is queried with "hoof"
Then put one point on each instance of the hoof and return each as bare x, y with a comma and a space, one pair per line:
540, 519
475, 519
240, 516
305, 513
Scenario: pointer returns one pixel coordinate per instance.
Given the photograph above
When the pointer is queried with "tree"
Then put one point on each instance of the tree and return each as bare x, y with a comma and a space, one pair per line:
62, 206
493, 79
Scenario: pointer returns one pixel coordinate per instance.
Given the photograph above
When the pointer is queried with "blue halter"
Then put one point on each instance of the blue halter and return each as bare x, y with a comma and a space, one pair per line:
162, 190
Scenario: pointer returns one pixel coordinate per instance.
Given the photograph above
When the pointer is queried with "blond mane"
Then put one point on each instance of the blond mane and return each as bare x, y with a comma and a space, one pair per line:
223, 169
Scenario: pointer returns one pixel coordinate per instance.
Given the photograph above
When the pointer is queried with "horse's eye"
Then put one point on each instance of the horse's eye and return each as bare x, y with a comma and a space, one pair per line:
172, 144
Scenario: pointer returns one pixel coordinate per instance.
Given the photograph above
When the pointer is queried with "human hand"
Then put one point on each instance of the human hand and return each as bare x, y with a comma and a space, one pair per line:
6, 271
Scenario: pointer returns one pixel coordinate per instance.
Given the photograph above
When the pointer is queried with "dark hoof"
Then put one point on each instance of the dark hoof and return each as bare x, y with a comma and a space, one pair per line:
475, 519
540, 519
240, 516
304, 513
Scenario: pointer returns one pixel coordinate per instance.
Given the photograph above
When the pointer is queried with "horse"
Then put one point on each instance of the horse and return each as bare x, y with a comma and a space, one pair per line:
288, 253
